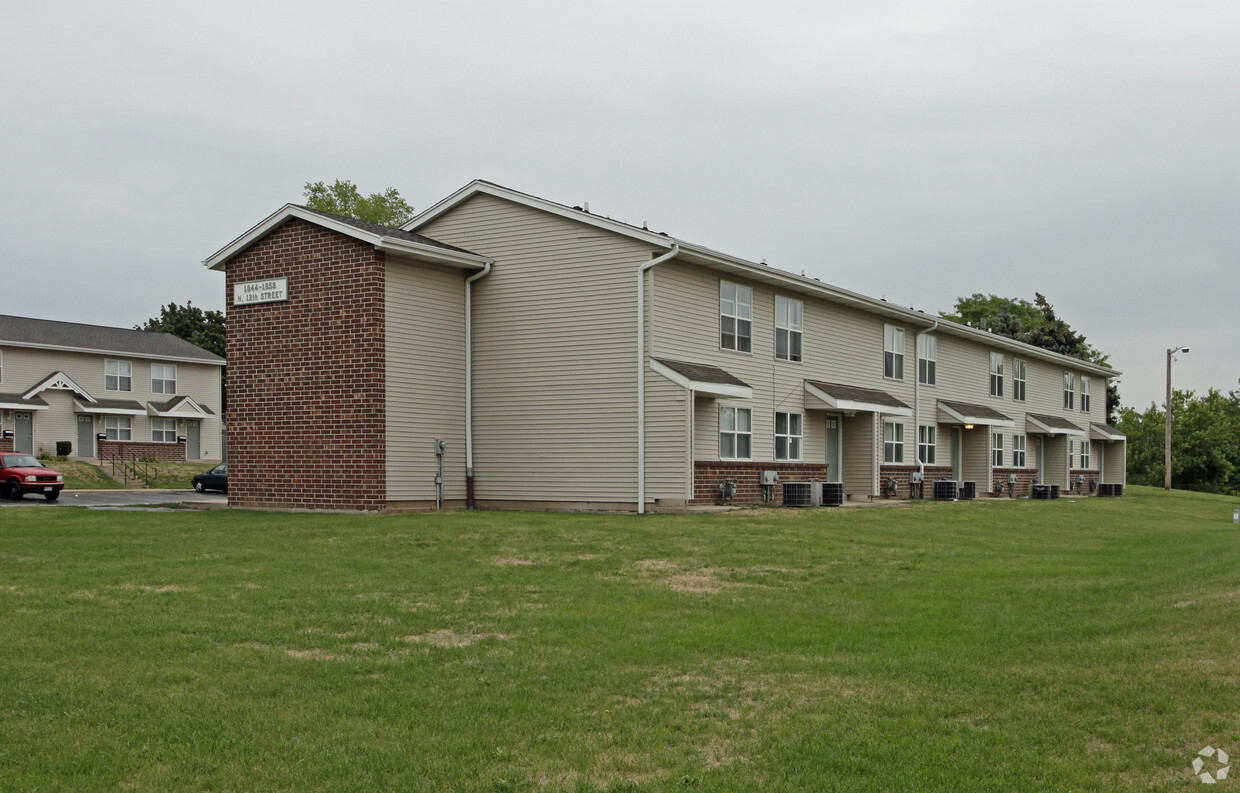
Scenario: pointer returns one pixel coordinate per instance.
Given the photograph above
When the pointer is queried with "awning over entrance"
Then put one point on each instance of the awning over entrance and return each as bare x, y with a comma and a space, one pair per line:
964, 413
703, 378
851, 398
18, 402
1105, 432
58, 381
111, 407
179, 407
1052, 425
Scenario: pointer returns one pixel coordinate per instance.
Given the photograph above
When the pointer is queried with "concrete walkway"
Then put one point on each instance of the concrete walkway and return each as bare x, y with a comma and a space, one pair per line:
125, 499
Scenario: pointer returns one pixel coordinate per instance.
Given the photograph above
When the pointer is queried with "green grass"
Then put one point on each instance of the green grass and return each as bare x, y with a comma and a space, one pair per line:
88, 476
1065, 646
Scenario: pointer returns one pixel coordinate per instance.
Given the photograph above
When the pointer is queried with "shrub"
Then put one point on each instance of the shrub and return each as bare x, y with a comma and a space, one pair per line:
64, 448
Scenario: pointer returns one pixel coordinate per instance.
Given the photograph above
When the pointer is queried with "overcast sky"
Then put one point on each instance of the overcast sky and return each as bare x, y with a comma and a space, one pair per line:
916, 150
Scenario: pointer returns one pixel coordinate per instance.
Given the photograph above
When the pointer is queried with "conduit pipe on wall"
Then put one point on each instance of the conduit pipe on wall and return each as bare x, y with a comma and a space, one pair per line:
469, 381
641, 373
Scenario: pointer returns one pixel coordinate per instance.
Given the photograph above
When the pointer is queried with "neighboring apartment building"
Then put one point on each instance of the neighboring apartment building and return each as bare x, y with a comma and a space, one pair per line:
107, 389
572, 361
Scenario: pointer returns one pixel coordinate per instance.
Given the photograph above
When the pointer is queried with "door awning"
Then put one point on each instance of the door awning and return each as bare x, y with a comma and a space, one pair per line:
18, 402
850, 398
110, 407
964, 413
1052, 425
1105, 432
183, 407
702, 378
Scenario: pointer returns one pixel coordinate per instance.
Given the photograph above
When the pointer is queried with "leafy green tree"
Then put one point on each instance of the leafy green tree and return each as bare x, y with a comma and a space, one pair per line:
1034, 323
189, 322
343, 198
1205, 446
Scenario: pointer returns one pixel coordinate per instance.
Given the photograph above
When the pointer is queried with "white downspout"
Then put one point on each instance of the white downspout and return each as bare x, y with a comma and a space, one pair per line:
469, 379
641, 374
921, 467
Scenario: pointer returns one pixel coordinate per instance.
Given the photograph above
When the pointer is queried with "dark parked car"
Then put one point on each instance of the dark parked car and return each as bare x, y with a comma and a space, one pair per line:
23, 473
215, 479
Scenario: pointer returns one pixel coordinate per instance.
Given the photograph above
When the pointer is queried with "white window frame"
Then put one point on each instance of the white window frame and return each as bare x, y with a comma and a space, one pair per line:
927, 359
893, 352
996, 449
160, 432
1085, 454
790, 436
996, 374
1084, 394
163, 381
1069, 386
736, 312
1018, 451
1019, 373
1, 366
117, 373
927, 443
118, 428
732, 435
893, 442
789, 328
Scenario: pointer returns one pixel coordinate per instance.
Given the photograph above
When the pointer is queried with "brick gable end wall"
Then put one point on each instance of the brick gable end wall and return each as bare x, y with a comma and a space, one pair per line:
306, 383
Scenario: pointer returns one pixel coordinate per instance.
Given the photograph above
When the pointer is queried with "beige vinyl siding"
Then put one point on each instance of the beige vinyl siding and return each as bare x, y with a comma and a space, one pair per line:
863, 453
669, 464
975, 466
1056, 472
425, 379
555, 379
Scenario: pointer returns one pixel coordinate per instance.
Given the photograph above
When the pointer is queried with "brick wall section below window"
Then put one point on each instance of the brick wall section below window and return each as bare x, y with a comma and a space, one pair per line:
306, 398
901, 474
1089, 474
1024, 480
164, 452
707, 474
6, 444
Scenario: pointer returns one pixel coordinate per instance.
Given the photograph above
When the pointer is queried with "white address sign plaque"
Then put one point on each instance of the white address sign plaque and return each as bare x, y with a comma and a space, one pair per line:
272, 290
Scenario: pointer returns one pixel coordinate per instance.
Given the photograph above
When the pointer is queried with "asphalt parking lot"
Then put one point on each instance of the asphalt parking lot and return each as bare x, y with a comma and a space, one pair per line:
125, 499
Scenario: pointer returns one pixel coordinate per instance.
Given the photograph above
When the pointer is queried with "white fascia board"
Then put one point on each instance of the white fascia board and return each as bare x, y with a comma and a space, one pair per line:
956, 417
852, 405
95, 410
717, 389
1102, 435
1047, 430
20, 406
61, 382
119, 353
195, 410
217, 260
430, 253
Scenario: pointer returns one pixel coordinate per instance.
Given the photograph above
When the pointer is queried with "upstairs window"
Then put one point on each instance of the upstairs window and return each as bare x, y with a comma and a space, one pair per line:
163, 378
735, 433
893, 442
1084, 394
117, 376
1018, 451
927, 359
1018, 380
996, 374
996, 449
735, 317
925, 444
893, 352
788, 316
788, 436
1068, 384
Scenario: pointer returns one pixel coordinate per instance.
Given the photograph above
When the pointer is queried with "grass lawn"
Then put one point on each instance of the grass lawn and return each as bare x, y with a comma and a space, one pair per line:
1044, 646
88, 476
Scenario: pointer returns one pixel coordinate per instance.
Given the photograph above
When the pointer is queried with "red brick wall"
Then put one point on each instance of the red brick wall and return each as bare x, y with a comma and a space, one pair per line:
164, 452
1090, 474
306, 400
901, 474
708, 474
6, 444
1024, 480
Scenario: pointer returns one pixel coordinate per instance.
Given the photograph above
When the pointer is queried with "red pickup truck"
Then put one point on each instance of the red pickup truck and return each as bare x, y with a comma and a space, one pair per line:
23, 473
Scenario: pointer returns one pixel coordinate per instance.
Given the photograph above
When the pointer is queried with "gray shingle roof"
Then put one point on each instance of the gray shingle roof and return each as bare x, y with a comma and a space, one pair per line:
703, 373
387, 231
854, 394
164, 407
16, 399
24, 331
1107, 429
114, 404
980, 411
1054, 422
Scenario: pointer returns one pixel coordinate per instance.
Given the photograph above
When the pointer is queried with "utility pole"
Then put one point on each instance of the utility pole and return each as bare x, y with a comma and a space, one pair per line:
1167, 416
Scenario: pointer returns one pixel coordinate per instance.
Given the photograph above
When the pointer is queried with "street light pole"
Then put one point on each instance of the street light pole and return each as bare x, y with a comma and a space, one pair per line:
1167, 417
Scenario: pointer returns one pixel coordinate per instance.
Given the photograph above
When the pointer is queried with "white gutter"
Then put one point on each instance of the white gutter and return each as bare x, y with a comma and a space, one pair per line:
641, 374
469, 373
921, 467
